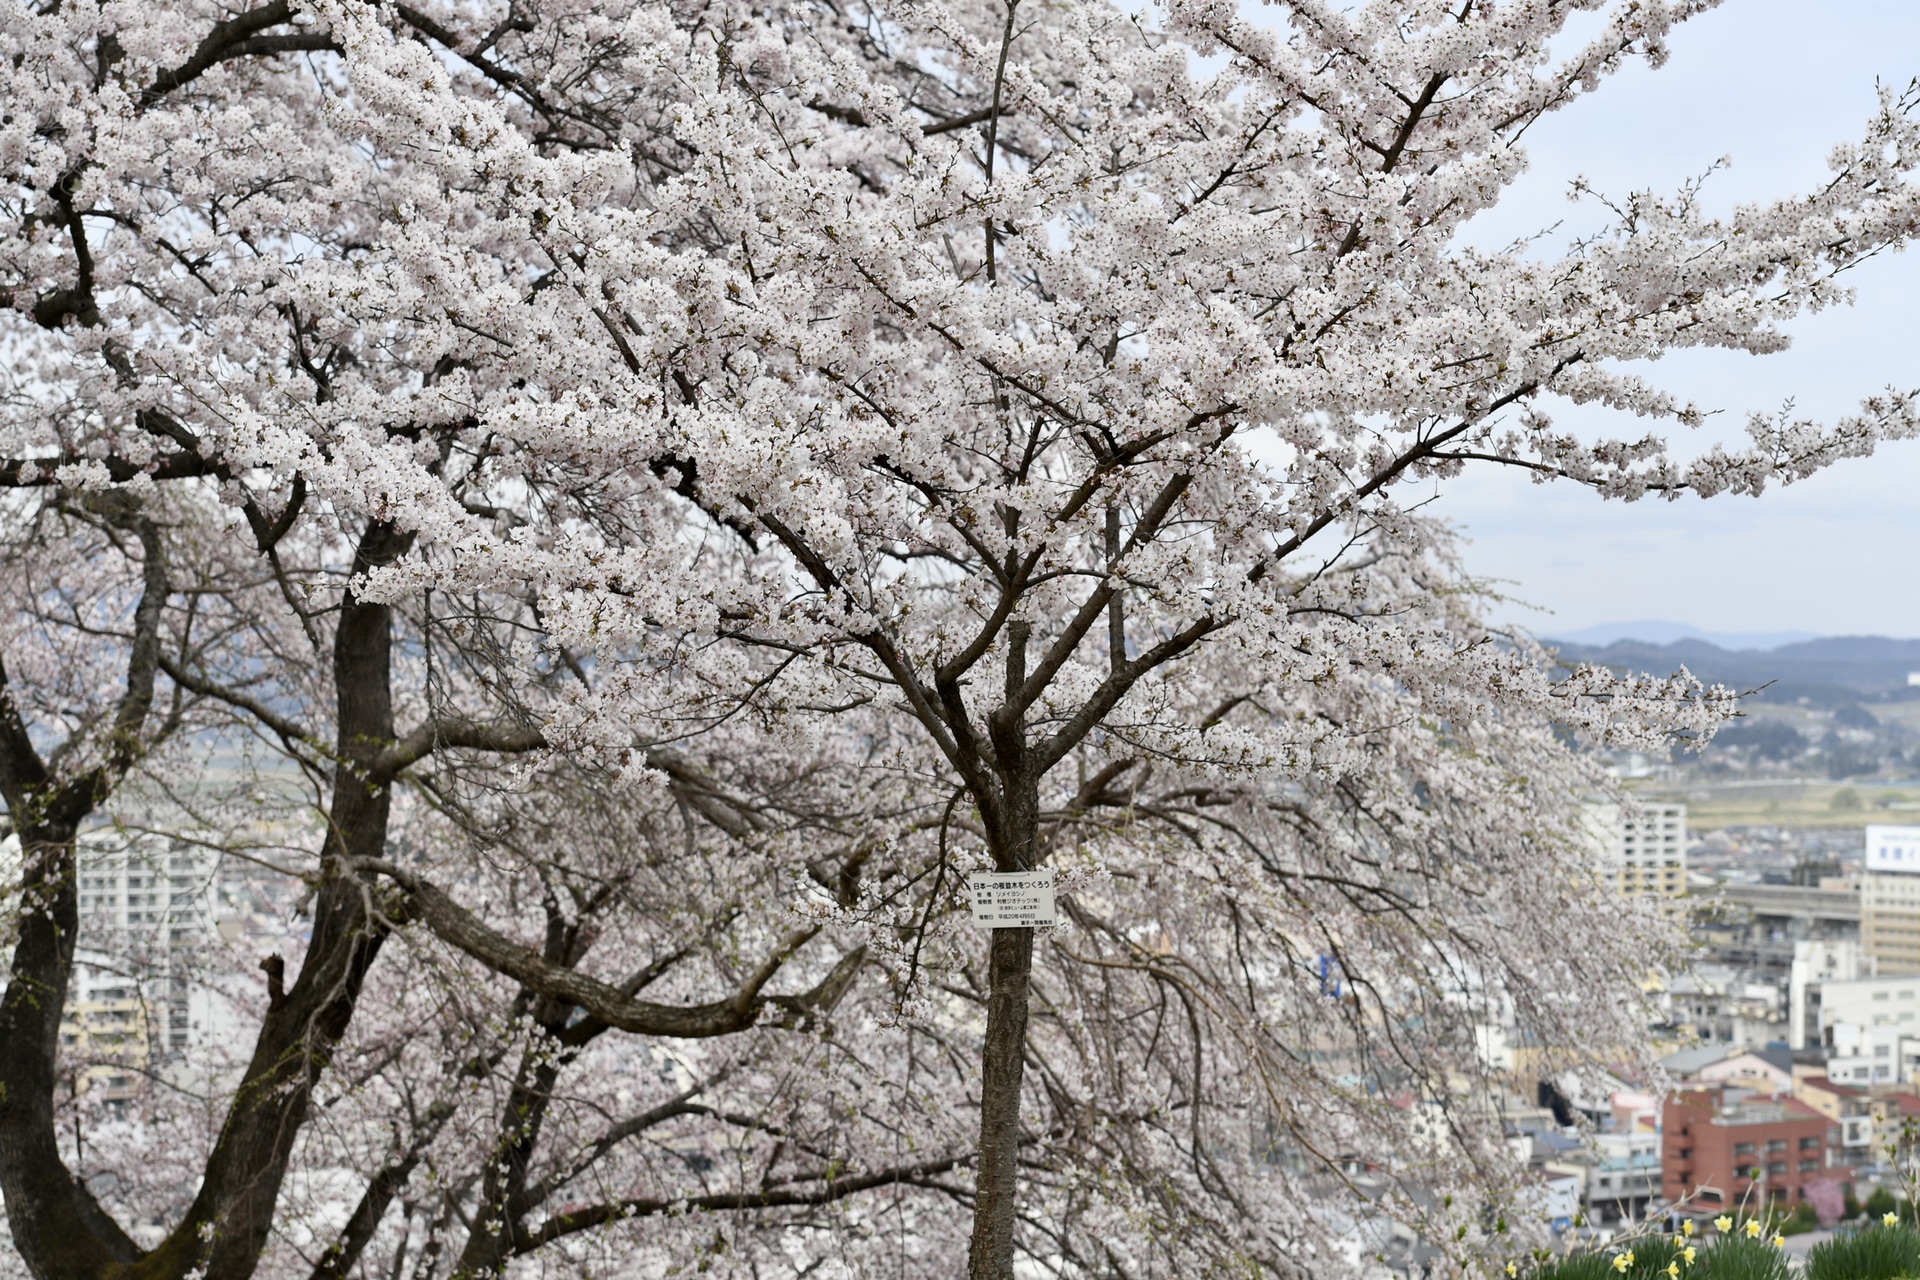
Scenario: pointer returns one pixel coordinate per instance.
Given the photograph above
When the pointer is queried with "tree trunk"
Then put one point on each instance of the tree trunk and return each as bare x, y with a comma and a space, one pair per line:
1009, 965
58, 1228
996, 1204
236, 1201
497, 1228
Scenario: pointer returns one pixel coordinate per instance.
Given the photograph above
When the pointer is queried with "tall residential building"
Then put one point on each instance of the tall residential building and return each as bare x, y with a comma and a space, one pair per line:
1890, 900
1646, 853
144, 900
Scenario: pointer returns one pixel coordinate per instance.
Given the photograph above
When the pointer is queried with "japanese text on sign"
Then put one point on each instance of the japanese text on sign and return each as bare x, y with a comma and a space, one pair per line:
1012, 899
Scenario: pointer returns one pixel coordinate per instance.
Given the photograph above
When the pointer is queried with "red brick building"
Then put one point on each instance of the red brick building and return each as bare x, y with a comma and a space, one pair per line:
1713, 1140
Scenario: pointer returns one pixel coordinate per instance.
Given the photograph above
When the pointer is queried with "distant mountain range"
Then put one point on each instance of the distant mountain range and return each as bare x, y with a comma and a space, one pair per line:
1668, 632
1827, 671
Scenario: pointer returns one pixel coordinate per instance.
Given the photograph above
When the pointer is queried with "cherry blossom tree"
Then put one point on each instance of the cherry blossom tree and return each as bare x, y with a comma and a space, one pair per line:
684, 483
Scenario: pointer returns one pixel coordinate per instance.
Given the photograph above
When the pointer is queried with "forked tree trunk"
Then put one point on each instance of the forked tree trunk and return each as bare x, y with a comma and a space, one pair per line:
60, 1231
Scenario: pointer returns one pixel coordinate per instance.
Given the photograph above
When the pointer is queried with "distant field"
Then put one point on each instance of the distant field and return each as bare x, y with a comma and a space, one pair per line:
1796, 804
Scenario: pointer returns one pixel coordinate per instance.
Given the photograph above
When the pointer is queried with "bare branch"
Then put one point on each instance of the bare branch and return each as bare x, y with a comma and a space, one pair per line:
829, 1190
435, 735
459, 928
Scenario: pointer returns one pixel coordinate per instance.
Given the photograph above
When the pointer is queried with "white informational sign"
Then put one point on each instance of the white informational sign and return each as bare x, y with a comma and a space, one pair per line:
1012, 899
1893, 849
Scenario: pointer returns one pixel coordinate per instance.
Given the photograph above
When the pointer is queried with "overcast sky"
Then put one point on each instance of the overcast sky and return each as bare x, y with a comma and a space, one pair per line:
1772, 86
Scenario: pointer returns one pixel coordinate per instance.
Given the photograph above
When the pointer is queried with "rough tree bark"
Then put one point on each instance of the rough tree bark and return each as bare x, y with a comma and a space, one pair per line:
1003, 1061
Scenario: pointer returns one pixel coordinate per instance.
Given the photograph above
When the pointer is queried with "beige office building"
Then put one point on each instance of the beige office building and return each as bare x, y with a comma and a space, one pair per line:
1890, 900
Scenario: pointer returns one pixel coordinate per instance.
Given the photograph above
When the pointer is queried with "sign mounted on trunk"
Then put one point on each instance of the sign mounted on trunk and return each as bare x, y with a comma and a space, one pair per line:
1012, 899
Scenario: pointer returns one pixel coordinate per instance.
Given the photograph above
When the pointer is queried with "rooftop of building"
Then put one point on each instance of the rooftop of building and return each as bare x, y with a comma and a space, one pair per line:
1553, 1145
1688, 1061
1733, 1107
1826, 1085
1778, 1057
1772, 1111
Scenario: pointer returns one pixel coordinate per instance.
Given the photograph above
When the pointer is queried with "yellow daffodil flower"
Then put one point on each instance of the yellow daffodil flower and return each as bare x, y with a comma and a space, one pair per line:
1723, 1222
1689, 1254
1622, 1262
1512, 1270
1687, 1226
1888, 1219
1673, 1269
1753, 1228
1779, 1241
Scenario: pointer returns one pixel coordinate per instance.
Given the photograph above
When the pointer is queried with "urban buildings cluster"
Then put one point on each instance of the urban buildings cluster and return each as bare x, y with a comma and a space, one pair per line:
1791, 1071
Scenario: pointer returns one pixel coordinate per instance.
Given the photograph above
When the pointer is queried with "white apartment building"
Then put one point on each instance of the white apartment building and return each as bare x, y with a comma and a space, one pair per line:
1888, 1005
1890, 900
1863, 1056
145, 899
1815, 964
1645, 851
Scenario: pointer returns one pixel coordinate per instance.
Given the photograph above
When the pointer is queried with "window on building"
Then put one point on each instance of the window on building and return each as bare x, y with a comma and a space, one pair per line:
1777, 1167
1778, 1144
1743, 1149
1809, 1144
1808, 1166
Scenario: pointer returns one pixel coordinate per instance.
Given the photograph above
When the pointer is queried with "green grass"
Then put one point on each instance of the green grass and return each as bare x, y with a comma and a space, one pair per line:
1873, 1253
1651, 1254
1866, 1253
1729, 1257
1581, 1266
1739, 1258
